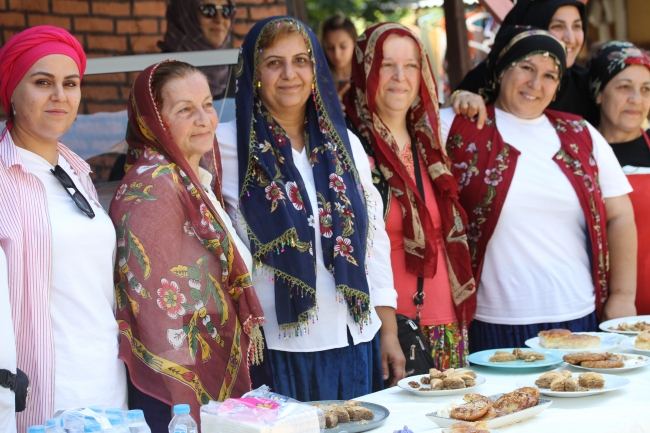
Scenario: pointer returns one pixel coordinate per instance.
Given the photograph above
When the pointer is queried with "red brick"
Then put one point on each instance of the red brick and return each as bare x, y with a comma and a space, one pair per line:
12, 19
145, 44
149, 9
262, 12
137, 26
163, 26
41, 20
132, 77
7, 34
254, 2
92, 108
114, 9
95, 25
125, 91
111, 43
99, 93
242, 28
105, 78
3, 5
70, 7
30, 5
237, 42
242, 13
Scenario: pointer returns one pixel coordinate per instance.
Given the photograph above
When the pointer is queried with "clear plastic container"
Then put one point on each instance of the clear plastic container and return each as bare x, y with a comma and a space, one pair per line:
92, 427
36, 429
115, 411
182, 422
135, 422
73, 423
117, 422
54, 425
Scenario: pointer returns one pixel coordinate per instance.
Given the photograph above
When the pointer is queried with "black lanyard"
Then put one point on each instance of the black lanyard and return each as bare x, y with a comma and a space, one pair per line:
418, 298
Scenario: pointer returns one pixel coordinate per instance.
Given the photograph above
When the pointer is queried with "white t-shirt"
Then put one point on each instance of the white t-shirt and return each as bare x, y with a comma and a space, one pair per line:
334, 320
87, 371
537, 265
7, 351
206, 179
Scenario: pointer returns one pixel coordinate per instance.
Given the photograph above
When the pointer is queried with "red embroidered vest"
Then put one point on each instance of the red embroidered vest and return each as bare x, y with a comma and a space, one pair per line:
485, 165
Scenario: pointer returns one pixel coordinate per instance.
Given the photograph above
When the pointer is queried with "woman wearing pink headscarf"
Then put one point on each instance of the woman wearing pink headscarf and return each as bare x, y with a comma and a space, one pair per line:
58, 240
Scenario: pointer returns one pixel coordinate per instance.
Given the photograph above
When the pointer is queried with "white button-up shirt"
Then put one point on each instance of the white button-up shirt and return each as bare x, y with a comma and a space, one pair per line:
330, 330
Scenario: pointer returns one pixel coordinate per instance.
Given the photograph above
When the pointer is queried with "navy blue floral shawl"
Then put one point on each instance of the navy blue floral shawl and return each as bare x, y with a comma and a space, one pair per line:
275, 205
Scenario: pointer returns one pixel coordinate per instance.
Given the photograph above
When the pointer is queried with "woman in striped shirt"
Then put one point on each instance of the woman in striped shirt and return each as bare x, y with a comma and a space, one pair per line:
58, 240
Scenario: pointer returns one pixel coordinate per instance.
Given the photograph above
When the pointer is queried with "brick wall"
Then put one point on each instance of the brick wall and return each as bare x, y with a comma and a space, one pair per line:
114, 28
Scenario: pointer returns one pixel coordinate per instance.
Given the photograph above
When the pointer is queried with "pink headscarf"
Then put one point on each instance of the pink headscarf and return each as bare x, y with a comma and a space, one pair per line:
26, 48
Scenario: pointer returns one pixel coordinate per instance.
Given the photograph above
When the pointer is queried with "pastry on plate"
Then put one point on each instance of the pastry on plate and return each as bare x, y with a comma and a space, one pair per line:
578, 358
579, 341
544, 381
610, 363
591, 380
551, 339
358, 413
502, 356
471, 411
642, 341
468, 427
453, 382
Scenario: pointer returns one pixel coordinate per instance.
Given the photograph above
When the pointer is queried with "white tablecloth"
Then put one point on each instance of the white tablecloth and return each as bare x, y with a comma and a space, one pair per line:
626, 410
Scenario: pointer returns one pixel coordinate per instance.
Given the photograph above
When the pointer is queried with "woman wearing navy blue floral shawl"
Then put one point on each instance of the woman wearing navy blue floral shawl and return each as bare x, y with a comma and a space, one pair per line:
300, 191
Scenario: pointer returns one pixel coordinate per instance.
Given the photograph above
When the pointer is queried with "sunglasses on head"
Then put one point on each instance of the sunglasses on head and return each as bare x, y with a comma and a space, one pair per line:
77, 197
210, 11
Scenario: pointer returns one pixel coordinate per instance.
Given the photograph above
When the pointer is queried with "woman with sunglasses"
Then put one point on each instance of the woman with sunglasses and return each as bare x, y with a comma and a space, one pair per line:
198, 25
58, 240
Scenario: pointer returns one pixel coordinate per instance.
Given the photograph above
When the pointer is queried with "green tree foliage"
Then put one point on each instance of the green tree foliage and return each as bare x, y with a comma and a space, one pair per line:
362, 13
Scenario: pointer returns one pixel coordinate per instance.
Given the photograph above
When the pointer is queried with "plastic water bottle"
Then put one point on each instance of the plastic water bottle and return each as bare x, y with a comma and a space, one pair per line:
136, 423
182, 421
117, 422
114, 411
36, 429
92, 427
98, 410
74, 423
54, 425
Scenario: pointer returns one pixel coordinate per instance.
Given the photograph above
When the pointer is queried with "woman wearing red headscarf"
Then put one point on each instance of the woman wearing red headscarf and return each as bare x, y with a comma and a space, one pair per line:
393, 105
58, 240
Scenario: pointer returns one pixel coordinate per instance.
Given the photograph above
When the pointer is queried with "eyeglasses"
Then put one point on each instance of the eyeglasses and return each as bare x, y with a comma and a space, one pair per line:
77, 197
210, 11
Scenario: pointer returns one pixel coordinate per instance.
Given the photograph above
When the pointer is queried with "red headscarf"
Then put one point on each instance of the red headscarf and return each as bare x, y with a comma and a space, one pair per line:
422, 120
26, 48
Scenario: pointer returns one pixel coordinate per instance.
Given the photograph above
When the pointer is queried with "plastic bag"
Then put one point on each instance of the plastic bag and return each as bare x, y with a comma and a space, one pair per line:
262, 411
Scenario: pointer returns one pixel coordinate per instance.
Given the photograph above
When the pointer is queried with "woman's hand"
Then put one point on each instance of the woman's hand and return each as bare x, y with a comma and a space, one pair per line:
391, 352
622, 239
470, 104
619, 305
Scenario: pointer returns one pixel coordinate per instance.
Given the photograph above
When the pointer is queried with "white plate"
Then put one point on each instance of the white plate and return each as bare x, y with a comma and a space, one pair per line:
404, 384
605, 326
612, 383
483, 358
608, 342
499, 422
630, 364
629, 344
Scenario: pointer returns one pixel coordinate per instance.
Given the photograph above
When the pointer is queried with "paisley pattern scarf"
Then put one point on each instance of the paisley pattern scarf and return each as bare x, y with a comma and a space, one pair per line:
273, 200
393, 176
188, 315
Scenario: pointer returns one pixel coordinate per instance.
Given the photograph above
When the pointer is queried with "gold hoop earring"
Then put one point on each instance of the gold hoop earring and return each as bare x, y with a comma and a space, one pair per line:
259, 84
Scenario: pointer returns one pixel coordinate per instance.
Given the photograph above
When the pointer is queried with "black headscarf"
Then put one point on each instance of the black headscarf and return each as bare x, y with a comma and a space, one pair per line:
539, 13
573, 96
184, 33
514, 43
610, 59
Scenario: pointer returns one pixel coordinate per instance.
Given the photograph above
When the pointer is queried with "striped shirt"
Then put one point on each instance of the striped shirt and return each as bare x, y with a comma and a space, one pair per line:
25, 238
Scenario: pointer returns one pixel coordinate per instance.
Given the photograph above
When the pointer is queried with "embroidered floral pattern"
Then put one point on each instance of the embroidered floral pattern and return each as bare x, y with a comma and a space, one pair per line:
294, 196
171, 299
343, 246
